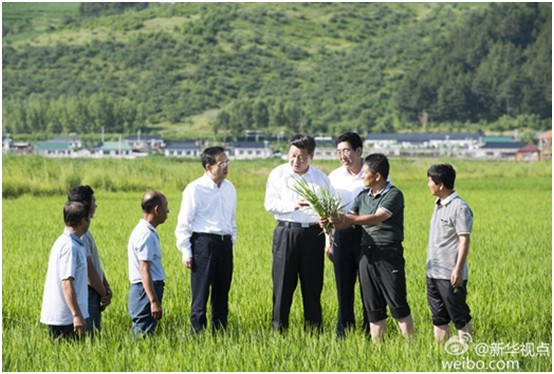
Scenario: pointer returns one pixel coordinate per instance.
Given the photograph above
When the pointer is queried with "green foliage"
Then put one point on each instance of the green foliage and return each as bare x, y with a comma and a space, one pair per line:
510, 301
317, 68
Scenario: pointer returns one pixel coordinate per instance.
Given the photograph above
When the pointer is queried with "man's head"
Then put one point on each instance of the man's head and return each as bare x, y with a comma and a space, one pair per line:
301, 152
376, 169
76, 215
83, 194
441, 176
216, 163
155, 207
349, 149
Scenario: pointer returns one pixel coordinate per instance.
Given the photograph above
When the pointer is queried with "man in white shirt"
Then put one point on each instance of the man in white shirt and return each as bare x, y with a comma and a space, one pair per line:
65, 299
146, 272
298, 243
206, 231
348, 182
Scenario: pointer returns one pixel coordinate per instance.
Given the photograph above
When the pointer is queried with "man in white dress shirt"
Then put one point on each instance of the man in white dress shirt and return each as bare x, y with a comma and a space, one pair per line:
348, 182
298, 244
206, 230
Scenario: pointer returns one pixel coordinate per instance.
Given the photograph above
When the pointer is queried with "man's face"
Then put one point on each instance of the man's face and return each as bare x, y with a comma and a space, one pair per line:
433, 187
220, 169
348, 156
93, 207
369, 178
299, 159
163, 211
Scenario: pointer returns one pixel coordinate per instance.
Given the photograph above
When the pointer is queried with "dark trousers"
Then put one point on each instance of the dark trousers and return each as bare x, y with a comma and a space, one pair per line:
63, 332
94, 311
212, 267
346, 259
297, 252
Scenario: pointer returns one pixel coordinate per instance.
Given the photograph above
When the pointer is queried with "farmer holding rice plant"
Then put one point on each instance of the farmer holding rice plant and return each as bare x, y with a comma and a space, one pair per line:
380, 212
298, 243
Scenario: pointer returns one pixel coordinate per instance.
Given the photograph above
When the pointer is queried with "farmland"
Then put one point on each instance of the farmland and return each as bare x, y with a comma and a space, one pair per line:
510, 261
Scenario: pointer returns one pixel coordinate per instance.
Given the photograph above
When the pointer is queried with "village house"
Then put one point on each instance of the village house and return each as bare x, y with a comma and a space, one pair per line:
118, 149
545, 145
243, 150
145, 143
183, 149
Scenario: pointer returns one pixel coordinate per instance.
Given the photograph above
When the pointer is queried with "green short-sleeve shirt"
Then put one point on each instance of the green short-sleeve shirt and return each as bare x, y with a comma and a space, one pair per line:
389, 232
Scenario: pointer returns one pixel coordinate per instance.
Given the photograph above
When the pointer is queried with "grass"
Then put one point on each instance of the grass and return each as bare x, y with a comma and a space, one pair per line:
509, 290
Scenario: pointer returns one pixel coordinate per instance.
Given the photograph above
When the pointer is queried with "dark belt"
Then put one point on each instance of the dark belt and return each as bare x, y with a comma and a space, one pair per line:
223, 238
297, 224
155, 283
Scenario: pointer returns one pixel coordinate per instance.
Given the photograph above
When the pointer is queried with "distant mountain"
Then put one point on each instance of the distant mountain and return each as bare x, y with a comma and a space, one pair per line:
190, 69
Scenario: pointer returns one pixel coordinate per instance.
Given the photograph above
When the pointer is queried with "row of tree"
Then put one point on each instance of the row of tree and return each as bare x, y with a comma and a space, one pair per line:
278, 67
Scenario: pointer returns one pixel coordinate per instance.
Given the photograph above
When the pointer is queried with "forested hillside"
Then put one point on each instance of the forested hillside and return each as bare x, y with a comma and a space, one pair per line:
186, 70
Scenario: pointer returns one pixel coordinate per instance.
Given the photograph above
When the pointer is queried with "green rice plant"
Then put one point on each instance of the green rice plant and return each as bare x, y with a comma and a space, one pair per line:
325, 203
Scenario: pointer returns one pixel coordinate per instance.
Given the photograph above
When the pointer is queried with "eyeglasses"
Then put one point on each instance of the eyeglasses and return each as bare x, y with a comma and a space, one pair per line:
222, 164
345, 151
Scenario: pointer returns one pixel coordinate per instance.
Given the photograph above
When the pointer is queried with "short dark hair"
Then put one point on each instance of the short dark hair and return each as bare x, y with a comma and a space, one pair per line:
352, 138
81, 193
209, 155
150, 200
378, 163
303, 141
74, 212
442, 173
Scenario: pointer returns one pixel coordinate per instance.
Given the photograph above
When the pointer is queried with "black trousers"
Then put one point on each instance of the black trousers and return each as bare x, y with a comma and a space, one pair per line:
297, 253
346, 259
212, 267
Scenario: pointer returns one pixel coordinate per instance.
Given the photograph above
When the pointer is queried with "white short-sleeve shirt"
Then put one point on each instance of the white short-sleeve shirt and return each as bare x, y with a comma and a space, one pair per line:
67, 260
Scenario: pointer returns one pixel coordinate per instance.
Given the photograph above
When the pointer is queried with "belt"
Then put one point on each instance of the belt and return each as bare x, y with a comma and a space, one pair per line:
297, 224
155, 283
212, 236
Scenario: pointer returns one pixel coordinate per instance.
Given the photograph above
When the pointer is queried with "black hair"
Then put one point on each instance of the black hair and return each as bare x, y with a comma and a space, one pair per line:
303, 141
352, 138
74, 212
442, 173
81, 193
209, 155
378, 163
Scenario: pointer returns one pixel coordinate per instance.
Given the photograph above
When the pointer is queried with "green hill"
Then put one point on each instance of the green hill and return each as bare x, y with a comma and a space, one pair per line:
188, 69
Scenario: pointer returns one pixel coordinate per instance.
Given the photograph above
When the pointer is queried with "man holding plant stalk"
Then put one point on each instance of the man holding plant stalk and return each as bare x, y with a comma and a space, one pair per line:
380, 212
298, 244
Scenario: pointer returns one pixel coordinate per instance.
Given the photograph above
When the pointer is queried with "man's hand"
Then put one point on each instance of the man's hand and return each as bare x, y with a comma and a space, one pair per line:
79, 325
302, 203
187, 261
156, 310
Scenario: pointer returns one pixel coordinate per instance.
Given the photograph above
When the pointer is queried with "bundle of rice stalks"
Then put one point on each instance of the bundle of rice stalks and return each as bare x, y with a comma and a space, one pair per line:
323, 202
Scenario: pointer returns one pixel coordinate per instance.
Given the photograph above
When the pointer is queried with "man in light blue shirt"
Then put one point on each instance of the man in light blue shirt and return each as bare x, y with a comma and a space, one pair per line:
65, 299
145, 265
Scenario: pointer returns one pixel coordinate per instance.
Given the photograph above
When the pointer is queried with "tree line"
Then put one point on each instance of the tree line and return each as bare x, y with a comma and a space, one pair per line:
279, 67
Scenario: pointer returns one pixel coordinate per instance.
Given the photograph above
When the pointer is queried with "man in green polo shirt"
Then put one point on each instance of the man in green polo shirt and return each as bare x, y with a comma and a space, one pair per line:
379, 209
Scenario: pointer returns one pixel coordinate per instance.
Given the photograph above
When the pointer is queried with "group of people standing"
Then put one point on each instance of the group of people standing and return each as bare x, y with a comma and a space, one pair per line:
367, 247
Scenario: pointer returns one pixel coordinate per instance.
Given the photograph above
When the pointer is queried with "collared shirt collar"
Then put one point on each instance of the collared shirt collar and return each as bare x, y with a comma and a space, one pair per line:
446, 201
73, 236
387, 188
210, 182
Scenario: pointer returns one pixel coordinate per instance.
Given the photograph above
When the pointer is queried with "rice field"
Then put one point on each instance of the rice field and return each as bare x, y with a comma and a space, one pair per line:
510, 263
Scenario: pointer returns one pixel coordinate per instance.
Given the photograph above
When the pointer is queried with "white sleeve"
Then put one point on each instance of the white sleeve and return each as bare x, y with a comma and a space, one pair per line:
183, 231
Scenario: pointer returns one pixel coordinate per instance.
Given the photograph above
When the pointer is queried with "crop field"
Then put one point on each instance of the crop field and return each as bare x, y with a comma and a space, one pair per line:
510, 263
